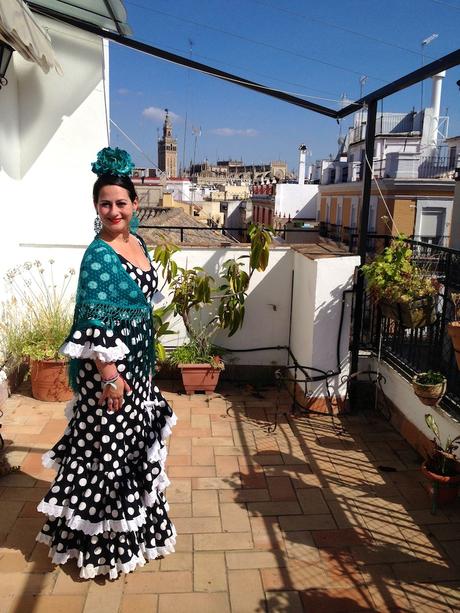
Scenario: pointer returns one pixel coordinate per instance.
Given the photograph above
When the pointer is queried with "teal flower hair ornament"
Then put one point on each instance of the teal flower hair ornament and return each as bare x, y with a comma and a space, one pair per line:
116, 162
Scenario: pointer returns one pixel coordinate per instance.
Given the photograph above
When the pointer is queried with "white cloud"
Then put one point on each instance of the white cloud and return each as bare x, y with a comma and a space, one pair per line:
234, 132
157, 114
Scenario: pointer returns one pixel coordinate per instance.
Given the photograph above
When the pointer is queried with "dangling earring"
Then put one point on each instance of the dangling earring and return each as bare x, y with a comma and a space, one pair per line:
134, 223
97, 224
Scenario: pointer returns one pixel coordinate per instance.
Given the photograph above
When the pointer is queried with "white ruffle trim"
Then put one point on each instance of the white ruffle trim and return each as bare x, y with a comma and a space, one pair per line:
90, 571
158, 451
75, 522
70, 408
91, 352
48, 460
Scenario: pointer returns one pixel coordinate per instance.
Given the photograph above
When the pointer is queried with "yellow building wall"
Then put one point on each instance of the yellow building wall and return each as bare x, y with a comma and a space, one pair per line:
404, 213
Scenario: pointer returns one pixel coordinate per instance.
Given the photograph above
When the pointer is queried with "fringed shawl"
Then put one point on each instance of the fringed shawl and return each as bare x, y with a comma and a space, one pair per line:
106, 296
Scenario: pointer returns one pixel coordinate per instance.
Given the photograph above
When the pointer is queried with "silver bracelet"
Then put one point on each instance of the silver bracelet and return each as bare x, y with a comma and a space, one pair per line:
111, 382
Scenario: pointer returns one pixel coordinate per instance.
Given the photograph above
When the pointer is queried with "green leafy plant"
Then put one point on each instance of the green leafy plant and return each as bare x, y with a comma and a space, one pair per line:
197, 351
193, 289
393, 276
443, 460
38, 315
430, 377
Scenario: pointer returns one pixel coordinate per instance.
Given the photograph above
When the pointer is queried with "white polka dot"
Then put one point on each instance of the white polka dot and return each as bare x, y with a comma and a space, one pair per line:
77, 334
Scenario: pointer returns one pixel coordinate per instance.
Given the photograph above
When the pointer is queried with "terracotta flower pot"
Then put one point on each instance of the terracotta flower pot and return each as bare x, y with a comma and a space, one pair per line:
444, 488
49, 380
453, 330
429, 394
199, 377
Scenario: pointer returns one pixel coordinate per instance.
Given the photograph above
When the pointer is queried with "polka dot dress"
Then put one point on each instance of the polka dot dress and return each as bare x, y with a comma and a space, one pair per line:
106, 507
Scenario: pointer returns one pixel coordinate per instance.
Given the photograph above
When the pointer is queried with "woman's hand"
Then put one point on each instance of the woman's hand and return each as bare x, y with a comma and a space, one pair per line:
113, 394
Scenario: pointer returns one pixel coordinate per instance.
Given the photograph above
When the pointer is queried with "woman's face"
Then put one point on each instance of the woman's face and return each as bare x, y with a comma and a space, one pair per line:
115, 209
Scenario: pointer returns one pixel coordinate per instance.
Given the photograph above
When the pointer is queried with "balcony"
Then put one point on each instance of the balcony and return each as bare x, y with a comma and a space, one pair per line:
394, 165
390, 123
277, 508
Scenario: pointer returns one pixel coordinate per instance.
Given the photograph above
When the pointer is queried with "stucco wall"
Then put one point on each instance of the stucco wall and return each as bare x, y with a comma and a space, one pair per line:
296, 200
51, 128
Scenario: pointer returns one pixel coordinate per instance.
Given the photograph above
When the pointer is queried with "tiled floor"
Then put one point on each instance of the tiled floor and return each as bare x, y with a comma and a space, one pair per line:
302, 519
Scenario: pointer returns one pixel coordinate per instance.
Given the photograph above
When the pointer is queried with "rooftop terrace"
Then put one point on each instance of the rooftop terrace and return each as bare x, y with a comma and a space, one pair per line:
320, 515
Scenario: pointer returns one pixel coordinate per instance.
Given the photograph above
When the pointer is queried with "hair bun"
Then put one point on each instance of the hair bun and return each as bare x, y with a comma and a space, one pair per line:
116, 162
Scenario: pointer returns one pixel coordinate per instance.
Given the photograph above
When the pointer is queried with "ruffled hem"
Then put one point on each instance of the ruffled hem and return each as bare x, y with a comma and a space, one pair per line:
75, 522
92, 352
49, 462
158, 452
90, 571
70, 408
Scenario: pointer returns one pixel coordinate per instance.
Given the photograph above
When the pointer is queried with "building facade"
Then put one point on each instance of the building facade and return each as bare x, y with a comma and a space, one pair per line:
413, 178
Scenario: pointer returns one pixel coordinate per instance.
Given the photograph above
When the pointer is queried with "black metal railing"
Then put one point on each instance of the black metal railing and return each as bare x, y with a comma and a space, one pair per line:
416, 350
436, 167
228, 232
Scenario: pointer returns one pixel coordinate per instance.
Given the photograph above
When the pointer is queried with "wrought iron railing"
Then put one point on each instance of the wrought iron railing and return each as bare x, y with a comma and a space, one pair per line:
417, 350
229, 232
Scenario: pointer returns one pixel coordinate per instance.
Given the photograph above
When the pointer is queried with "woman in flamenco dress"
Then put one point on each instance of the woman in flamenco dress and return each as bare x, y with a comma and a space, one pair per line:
106, 507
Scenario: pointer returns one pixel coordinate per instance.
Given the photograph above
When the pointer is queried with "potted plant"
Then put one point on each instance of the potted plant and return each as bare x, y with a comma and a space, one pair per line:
442, 468
404, 291
36, 320
453, 328
429, 387
206, 306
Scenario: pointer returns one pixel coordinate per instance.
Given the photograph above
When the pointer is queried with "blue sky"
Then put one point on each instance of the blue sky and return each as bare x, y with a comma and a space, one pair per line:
317, 51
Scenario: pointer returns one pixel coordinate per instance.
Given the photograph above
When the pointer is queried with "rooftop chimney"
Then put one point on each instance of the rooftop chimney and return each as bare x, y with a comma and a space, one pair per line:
431, 119
435, 108
303, 155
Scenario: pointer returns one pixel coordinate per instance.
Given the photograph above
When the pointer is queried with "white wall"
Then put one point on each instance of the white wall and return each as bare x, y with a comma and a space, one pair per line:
400, 392
51, 128
267, 306
296, 200
317, 300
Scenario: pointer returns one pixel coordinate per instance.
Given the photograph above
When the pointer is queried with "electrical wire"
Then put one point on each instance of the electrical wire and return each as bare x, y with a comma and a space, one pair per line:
254, 41
342, 28
374, 178
136, 145
452, 6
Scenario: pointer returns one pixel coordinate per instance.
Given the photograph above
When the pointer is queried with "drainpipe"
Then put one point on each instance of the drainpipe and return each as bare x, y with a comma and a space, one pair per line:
362, 246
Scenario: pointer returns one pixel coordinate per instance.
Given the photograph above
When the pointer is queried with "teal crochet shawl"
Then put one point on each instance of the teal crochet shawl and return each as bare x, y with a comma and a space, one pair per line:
107, 295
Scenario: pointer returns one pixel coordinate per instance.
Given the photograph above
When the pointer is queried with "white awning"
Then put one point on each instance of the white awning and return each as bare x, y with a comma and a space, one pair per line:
19, 28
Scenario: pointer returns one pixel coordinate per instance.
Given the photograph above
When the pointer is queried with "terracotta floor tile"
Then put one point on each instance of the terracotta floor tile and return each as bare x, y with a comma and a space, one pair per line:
337, 600
139, 603
210, 573
186, 603
45, 604
299, 518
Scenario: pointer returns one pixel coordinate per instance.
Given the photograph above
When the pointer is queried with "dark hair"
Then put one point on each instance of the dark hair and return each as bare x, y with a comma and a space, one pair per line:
124, 181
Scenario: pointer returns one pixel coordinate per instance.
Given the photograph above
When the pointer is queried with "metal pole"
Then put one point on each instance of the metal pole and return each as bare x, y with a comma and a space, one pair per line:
362, 244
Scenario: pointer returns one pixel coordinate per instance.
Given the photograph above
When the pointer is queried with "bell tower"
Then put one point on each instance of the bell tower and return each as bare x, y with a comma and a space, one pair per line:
167, 149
